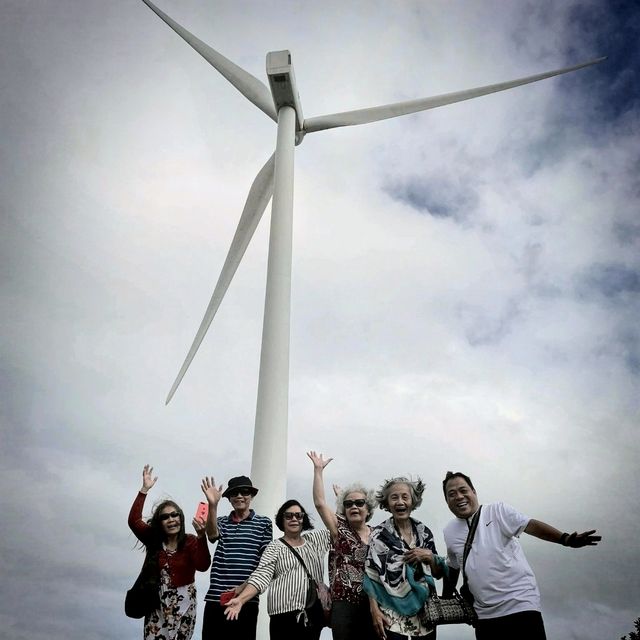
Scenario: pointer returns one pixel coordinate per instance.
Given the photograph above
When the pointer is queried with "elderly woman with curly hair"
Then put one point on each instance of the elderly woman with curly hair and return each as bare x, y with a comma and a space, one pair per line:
350, 616
401, 564
281, 570
174, 557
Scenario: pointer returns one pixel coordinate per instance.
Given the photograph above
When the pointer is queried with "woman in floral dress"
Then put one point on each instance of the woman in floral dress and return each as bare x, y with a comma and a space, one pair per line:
350, 616
177, 556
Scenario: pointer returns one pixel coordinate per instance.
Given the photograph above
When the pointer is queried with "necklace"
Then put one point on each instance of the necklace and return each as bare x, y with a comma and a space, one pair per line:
408, 537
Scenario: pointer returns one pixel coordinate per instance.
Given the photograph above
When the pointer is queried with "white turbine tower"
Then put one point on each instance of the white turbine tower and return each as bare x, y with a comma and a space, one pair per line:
281, 103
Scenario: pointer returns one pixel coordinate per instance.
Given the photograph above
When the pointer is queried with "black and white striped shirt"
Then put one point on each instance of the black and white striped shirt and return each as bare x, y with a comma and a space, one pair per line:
282, 573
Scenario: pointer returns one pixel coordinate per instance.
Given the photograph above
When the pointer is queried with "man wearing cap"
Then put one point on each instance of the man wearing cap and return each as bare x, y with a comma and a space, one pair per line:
504, 589
241, 537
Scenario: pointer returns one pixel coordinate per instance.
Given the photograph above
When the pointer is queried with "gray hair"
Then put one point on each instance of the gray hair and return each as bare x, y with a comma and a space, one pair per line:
416, 488
369, 496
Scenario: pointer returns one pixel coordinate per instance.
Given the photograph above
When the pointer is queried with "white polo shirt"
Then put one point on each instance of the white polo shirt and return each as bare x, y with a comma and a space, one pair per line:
498, 573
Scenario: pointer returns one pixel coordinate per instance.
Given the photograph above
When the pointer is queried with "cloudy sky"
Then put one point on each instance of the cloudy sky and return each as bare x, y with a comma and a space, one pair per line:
465, 288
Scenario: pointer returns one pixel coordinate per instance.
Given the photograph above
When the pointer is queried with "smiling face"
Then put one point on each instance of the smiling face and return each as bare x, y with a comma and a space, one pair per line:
170, 521
292, 521
461, 498
400, 501
240, 499
355, 507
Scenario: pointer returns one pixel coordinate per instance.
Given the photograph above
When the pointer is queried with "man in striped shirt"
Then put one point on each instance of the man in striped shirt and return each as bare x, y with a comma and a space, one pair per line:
241, 537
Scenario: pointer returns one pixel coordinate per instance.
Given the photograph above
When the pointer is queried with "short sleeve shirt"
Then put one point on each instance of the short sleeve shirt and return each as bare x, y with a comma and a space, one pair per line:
498, 573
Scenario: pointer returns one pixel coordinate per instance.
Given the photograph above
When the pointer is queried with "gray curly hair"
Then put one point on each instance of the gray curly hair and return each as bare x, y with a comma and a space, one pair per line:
416, 488
369, 496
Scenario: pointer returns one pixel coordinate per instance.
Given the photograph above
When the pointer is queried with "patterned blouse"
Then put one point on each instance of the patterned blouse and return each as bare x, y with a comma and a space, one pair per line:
346, 564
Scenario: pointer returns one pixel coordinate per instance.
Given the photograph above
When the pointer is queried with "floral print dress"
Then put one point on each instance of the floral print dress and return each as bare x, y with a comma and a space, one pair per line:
176, 617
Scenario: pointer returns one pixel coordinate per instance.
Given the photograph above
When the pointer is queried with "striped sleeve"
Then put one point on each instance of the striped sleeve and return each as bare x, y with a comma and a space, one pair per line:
282, 573
262, 576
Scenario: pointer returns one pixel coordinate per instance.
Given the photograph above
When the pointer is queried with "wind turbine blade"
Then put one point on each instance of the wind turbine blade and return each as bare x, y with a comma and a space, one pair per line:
257, 200
247, 84
372, 114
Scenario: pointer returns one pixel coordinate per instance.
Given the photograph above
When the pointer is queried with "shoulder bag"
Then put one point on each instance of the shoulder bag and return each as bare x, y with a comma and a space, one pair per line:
318, 594
144, 596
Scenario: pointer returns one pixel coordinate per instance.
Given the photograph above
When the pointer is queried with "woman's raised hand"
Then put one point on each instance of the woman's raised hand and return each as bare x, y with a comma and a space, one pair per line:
318, 461
212, 493
200, 527
148, 479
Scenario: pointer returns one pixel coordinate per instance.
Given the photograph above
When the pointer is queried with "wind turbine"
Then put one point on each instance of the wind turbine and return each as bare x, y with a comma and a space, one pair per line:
280, 101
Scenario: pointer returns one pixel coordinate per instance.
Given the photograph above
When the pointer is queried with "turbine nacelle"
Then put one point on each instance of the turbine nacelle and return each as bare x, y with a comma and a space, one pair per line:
282, 82
282, 92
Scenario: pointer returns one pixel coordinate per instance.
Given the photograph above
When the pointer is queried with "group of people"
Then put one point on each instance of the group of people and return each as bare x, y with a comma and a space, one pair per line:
380, 577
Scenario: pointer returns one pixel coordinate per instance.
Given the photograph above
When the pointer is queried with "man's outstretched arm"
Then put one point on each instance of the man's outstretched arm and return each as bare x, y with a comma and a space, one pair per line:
575, 540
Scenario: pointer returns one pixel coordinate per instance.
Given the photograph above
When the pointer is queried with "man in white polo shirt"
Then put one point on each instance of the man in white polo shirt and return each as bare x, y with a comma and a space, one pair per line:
506, 596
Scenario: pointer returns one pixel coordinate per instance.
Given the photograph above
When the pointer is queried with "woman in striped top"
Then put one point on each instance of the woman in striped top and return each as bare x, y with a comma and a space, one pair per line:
286, 578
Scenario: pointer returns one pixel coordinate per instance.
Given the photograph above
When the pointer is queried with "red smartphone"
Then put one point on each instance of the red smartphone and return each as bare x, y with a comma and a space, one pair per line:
202, 511
226, 596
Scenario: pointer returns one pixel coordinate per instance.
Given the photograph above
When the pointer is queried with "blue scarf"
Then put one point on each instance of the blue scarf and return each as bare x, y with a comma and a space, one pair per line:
388, 579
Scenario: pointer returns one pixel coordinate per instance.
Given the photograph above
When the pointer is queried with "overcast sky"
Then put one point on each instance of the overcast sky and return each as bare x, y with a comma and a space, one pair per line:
465, 281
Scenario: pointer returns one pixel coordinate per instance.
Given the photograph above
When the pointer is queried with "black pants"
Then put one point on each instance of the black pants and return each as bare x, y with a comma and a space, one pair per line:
286, 626
525, 625
215, 625
351, 621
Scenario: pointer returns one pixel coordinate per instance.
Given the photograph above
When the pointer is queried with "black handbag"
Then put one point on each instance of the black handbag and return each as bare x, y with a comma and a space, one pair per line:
144, 596
454, 610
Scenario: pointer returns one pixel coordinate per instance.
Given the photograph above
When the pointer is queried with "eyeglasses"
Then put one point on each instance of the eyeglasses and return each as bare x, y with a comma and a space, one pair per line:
290, 515
347, 504
239, 492
166, 516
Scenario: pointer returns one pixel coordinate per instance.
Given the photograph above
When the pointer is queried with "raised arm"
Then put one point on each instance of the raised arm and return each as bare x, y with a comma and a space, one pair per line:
139, 527
325, 512
575, 540
201, 557
213, 495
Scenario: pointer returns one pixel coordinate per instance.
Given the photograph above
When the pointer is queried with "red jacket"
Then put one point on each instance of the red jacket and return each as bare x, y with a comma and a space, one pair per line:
194, 553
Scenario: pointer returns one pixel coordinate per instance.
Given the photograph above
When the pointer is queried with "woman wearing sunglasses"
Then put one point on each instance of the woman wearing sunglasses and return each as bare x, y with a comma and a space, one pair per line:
286, 577
350, 615
175, 556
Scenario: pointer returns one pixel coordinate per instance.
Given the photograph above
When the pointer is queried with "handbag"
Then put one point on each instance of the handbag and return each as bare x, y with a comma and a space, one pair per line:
458, 609
454, 610
144, 596
318, 599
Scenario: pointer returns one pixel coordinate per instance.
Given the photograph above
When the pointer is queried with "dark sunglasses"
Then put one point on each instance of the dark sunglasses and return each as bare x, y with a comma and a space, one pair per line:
290, 515
239, 492
347, 504
166, 516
